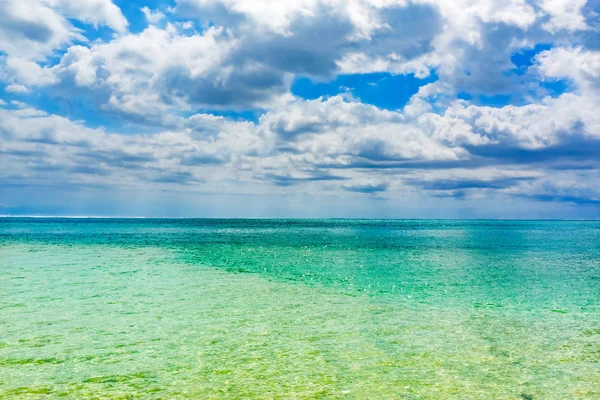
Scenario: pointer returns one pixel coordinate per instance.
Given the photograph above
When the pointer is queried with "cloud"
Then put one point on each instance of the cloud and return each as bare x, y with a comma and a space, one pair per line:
289, 180
466, 183
244, 55
366, 188
565, 14
28, 72
14, 88
566, 188
161, 70
163, 107
595, 201
33, 29
183, 177
338, 131
97, 12
153, 16
217, 154
533, 126
579, 65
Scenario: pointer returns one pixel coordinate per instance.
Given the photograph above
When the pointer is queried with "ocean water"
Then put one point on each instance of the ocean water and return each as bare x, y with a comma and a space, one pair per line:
357, 309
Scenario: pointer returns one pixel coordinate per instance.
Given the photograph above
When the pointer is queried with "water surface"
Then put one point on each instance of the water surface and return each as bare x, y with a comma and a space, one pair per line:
105, 308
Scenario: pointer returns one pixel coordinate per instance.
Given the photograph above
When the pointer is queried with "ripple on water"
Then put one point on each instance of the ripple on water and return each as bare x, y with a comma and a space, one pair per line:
313, 310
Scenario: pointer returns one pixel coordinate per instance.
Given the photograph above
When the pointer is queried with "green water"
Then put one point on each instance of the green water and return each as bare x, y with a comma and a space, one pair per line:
299, 309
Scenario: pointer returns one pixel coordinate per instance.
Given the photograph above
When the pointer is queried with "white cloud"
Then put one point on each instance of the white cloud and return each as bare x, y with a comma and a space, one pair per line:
14, 88
326, 146
251, 60
565, 15
33, 29
279, 16
167, 67
29, 72
96, 12
246, 56
534, 126
153, 16
581, 66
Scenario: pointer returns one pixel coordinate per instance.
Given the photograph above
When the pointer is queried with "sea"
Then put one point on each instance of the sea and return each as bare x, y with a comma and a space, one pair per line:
299, 309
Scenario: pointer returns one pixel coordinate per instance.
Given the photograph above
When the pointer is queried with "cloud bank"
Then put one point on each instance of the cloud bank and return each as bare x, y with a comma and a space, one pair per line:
164, 110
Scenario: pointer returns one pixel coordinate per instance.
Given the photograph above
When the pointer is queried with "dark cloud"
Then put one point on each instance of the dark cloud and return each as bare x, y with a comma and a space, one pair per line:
7, 183
291, 133
376, 150
315, 42
359, 163
485, 72
287, 180
117, 158
31, 154
213, 12
36, 31
174, 177
90, 170
410, 31
261, 63
579, 200
244, 88
369, 189
204, 159
450, 194
45, 165
312, 49
460, 184
572, 148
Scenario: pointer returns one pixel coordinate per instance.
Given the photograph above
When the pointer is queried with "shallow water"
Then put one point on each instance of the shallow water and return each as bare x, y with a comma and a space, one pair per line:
299, 309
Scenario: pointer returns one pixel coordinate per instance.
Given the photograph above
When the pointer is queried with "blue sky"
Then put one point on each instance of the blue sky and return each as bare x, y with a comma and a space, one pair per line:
311, 108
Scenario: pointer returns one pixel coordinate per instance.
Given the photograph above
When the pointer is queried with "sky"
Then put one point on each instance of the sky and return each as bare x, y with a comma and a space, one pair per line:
304, 108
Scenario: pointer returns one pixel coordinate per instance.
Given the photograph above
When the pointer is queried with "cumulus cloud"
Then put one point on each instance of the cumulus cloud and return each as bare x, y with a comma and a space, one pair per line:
333, 143
247, 54
14, 88
33, 29
164, 69
565, 14
176, 95
581, 66
369, 188
97, 12
153, 16
529, 127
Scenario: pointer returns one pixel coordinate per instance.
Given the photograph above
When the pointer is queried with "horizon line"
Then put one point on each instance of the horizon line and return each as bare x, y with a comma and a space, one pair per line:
293, 218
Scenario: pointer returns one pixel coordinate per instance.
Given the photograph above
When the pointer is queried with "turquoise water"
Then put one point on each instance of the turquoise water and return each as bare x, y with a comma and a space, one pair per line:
123, 309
